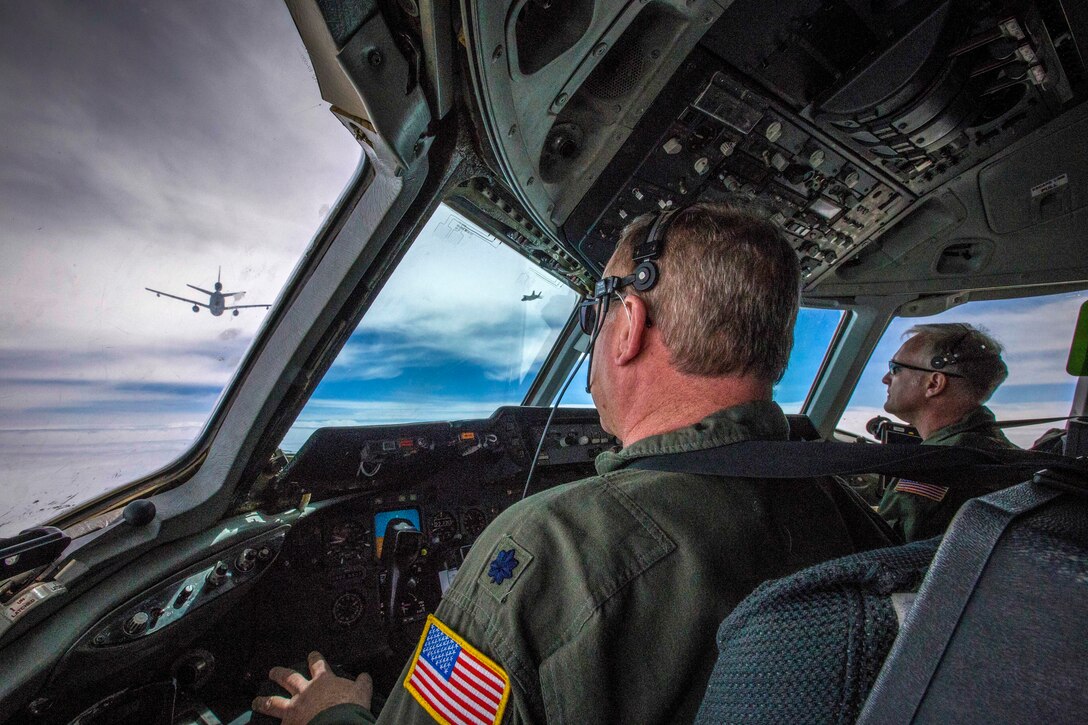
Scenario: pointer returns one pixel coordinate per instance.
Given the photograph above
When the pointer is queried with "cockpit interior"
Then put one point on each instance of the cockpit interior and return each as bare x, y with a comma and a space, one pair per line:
918, 157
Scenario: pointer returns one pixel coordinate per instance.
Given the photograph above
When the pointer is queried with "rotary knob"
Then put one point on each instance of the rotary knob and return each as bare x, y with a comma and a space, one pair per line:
246, 560
136, 624
218, 575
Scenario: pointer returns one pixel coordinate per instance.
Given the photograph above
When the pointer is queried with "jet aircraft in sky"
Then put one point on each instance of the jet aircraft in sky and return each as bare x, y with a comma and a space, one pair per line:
528, 298
217, 299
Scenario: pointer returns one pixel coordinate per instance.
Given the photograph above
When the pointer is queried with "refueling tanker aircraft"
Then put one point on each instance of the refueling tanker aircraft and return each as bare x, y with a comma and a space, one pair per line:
217, 298
920, 158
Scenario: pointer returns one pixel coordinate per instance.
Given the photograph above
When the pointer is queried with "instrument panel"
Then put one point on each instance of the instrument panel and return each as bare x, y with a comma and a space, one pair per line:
338, 585
353, 574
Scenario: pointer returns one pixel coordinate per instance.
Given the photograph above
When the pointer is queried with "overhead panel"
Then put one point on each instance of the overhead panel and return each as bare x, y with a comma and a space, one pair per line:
728, 143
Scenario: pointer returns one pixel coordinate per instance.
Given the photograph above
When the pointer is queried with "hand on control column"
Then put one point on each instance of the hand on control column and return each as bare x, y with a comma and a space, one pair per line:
309, 697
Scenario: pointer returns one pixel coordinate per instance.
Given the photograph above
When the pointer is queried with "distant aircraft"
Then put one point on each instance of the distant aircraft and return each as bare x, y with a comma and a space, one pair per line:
534, 296
216, 303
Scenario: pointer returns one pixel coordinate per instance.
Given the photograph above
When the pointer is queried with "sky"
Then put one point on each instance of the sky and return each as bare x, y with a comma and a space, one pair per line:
142, 149
448, 338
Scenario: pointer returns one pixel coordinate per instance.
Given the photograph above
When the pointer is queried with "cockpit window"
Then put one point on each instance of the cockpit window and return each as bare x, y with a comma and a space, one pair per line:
461, 328
181, 147
1036, 334
812, 336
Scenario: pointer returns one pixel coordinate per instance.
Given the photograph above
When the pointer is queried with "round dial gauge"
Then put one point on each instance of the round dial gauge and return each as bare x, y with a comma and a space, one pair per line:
411, 609
348, 543
443, 527
347, 609
473, 521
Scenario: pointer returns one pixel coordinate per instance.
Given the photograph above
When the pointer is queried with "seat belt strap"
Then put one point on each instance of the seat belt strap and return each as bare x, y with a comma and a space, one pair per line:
944, 465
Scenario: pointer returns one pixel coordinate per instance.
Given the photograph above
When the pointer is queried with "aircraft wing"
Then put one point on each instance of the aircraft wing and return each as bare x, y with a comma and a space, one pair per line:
239, 307
193, 286
175, 297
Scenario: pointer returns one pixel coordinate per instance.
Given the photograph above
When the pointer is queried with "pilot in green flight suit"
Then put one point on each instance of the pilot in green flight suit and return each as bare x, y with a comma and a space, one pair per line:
938, 382
598, 600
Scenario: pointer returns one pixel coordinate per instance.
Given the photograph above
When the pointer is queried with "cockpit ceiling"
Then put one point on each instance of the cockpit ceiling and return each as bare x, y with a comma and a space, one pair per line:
836, 120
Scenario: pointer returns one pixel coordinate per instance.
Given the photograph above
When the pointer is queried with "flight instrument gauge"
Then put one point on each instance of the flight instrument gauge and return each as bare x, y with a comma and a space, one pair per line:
474, 521
347, 609
443, 527
348, 544
411, 608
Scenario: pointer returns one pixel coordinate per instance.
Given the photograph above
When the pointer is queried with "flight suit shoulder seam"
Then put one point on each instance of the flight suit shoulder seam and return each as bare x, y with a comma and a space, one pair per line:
515, 667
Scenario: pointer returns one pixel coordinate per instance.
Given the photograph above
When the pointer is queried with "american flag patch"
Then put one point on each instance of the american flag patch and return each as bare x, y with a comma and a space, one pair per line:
454, 682
928, 490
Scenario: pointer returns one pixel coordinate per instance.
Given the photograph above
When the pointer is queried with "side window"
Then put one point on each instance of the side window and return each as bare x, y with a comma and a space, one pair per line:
461, 328
163, 167
1035, 332
812, 336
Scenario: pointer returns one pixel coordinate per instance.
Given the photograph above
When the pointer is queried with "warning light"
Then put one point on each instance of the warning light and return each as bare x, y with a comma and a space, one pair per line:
405, 442
468, 436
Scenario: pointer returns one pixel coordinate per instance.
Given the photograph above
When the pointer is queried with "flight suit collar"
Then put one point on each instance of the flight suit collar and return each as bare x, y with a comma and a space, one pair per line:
977, 421
757, 420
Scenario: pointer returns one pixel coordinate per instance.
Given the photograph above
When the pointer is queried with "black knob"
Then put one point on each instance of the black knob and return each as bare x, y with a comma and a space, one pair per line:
246, 560
218, 575
183, 596
140, 512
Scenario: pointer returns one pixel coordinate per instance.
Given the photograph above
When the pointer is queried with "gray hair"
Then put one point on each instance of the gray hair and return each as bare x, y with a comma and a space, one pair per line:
728, 292
970, 351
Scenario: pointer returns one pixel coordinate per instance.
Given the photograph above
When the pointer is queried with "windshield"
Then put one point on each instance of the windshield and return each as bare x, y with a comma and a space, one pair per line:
144, 147
461, 328
812, 336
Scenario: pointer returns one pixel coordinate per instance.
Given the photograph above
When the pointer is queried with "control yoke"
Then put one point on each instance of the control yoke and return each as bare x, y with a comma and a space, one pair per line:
401, 546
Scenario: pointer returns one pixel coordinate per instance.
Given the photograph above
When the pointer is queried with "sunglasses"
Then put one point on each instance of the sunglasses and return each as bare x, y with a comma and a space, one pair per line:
592, 310
895, 366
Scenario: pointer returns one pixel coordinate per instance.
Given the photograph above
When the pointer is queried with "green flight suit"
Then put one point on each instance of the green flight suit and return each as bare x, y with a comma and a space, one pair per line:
923, 511
621, 580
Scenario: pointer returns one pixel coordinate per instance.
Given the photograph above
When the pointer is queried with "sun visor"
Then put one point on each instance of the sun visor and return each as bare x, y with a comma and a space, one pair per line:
323, 40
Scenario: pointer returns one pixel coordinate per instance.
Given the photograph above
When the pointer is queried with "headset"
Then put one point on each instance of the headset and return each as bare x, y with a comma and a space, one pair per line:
590, 319
649, 251
950, 356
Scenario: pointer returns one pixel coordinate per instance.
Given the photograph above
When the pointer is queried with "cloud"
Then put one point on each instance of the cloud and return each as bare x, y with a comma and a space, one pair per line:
458, 293
142, 149
122, 167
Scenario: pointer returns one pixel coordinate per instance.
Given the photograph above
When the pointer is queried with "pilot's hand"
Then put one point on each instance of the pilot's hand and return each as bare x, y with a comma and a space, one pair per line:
309, 697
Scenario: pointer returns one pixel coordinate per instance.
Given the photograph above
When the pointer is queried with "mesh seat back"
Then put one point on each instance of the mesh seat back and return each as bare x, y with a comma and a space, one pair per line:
998, 631
807, 648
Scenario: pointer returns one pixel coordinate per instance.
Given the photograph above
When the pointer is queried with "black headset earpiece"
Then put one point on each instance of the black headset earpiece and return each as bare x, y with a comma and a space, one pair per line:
949, 357
645, 276
647, 252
